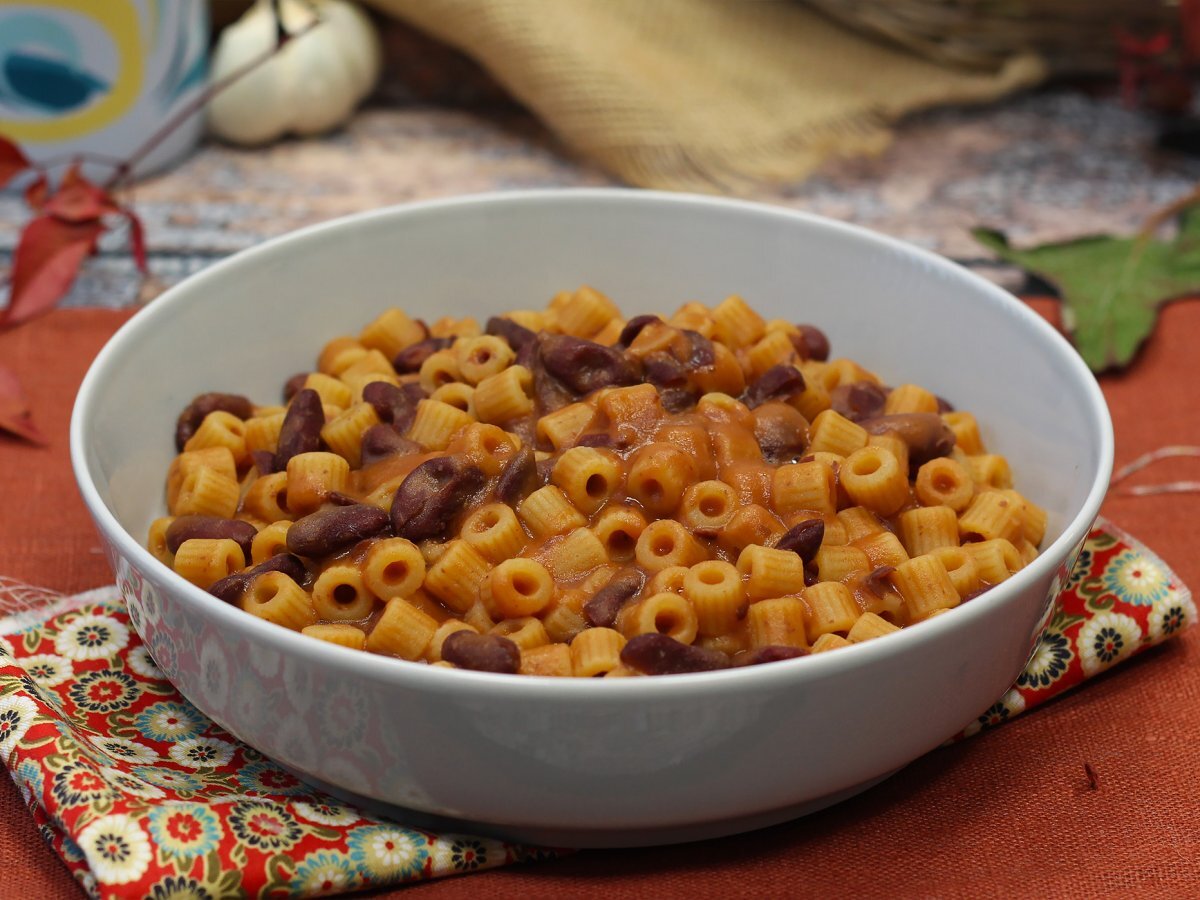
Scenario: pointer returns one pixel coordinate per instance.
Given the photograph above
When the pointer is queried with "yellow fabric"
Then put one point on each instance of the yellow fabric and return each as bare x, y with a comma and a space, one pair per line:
702, 94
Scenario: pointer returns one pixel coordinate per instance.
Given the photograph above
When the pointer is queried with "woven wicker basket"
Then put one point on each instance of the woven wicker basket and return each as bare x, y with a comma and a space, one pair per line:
1074, 36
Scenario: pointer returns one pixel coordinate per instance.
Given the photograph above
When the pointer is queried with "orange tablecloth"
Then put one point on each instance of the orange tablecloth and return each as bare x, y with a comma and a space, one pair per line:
1009, 813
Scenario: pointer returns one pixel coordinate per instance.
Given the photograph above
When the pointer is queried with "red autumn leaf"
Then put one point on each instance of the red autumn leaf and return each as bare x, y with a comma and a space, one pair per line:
12, 161
35, 194
1149, 47
78, 200
137, 240
15, 415
45, 263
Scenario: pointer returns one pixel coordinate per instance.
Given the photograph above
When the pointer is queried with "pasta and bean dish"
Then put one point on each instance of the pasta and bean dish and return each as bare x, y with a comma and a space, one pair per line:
564, 492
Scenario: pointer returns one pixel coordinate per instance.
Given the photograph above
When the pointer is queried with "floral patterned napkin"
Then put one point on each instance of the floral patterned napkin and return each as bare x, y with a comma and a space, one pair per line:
142, 796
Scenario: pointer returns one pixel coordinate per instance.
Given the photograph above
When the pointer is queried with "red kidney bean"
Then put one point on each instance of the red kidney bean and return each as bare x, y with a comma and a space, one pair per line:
876, 581
811, 343
602, 609
481, 652
585, 366
702, 355
185, 528
676, 400
264, 461
944, 405
517, 336
664, 370
781, 431
382, 441
519, 478
777, 383
770, 653
293, 386
661, 654
397, 405
383, 397
337, 498
231, 587
926, 434
858, 401
301, 431
412, 357
193, 414
812, 574
633, 328
427, 501
548, 391
803, 539
335, 528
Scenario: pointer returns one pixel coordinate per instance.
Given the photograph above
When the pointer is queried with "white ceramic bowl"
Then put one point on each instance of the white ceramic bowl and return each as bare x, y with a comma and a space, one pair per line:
590, 762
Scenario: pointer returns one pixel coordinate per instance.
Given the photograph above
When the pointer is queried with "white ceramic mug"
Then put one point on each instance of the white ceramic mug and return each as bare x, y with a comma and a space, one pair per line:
100, 77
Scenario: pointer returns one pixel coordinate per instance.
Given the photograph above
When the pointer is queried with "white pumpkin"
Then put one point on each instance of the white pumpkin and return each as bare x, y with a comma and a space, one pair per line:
310, 86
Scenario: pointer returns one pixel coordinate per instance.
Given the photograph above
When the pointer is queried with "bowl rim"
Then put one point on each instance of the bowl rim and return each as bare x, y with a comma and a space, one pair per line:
456, 681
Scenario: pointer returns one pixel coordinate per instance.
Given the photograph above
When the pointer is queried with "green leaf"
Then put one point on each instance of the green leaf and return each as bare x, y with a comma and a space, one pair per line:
1111, 287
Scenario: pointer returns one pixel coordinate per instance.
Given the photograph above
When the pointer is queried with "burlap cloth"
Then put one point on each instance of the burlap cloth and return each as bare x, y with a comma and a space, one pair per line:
702, 94
1009, 814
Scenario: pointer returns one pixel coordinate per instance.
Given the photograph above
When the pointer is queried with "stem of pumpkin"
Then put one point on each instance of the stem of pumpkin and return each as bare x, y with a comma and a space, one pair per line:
124, 169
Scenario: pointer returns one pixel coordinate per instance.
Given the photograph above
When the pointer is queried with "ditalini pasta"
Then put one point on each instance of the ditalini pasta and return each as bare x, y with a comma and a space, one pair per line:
566, 492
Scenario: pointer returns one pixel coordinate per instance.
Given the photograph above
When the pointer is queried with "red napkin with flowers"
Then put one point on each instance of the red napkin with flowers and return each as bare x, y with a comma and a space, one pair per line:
142, 796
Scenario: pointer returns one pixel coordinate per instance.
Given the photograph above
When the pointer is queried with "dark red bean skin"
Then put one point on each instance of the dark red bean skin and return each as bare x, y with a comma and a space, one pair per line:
427, 501
264, 461
397, 405
633, 328
803, 539
702, 355
876, 581
381, 441
781, 432
481, 652
334, 529
811, 574
926, 435
517, 336
777, 383
768, 654
412, 357
301, 431
858, 401
232, 587
584, 366
193, 414
664, 370
811, 343
602, 609
548, 391
660, 654
519, 478
676, 400
293, 386
185, 528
